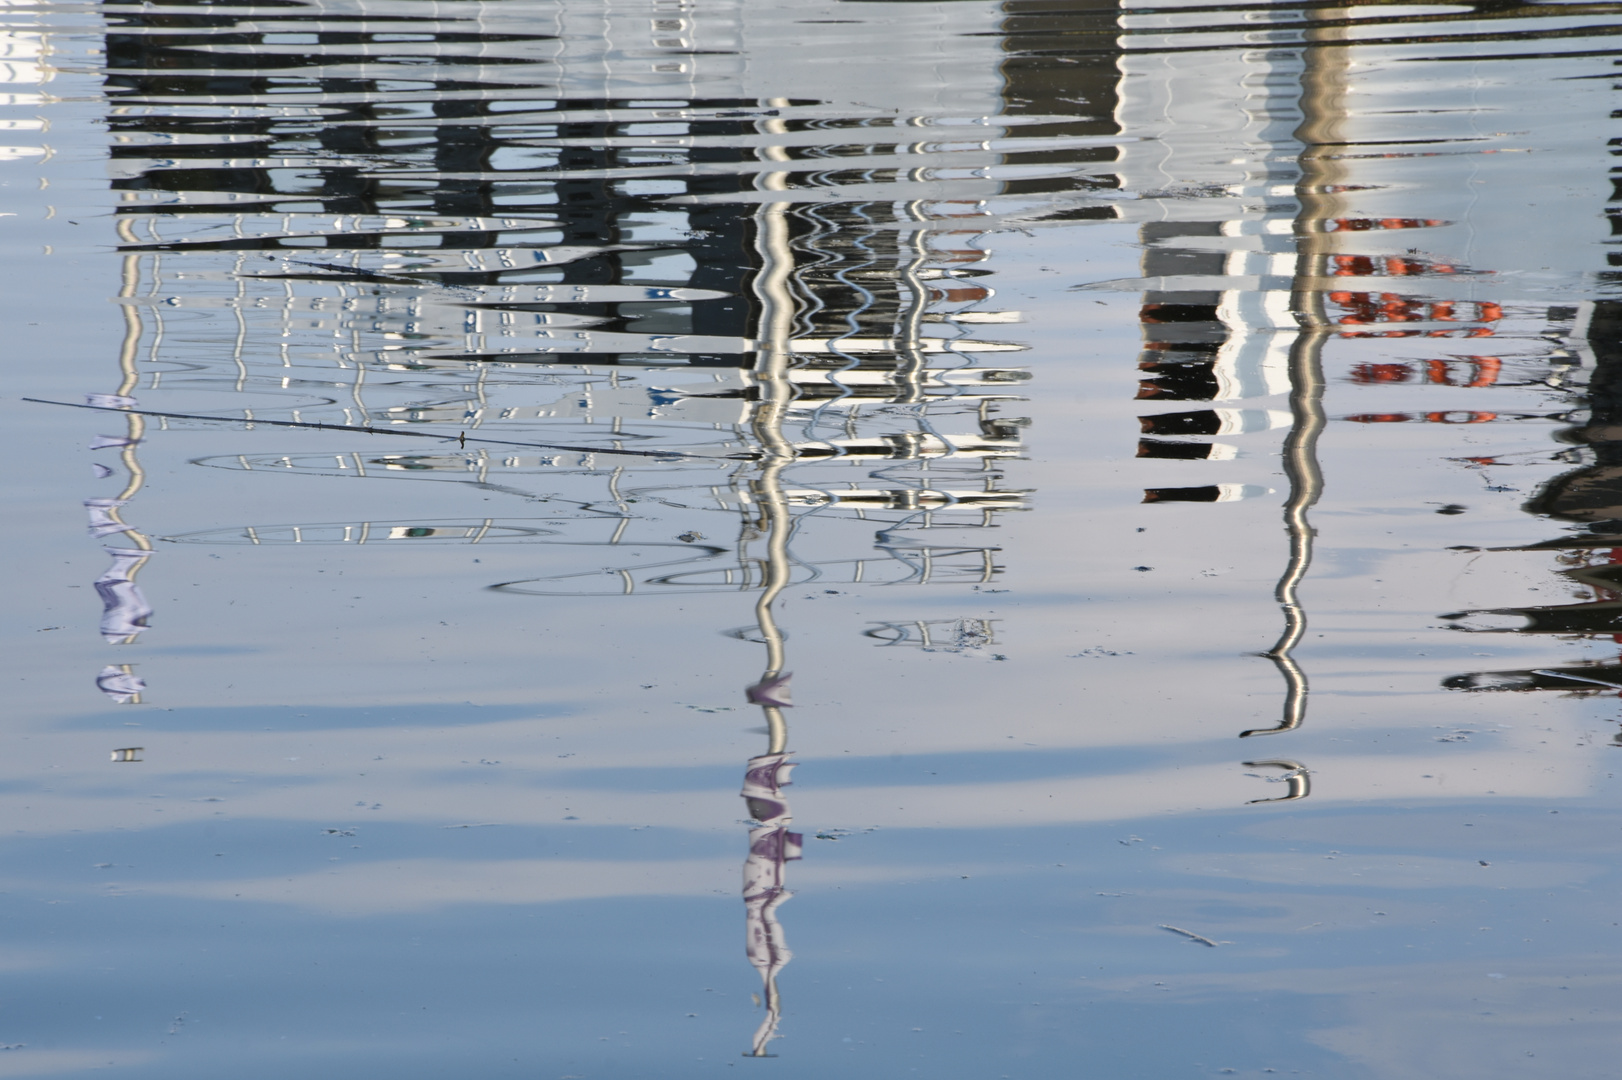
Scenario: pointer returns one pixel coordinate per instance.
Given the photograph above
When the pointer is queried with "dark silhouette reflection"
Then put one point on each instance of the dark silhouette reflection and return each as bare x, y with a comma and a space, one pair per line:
1590, 497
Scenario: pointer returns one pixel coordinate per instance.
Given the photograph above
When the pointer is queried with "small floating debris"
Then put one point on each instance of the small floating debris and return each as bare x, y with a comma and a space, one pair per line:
1192, 936
128, 753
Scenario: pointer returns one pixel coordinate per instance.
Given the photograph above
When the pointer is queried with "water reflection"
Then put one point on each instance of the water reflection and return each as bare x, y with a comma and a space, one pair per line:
1233, 310
125, 610
637, 273
1586, 359
619, 238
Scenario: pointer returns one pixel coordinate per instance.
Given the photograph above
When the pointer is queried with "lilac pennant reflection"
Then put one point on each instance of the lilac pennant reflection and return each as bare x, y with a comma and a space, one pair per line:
124, 610
771, 848
773, 690
103, 521
120, 685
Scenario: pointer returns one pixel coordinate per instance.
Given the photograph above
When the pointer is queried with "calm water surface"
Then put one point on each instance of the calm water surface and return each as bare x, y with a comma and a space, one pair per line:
1176, 451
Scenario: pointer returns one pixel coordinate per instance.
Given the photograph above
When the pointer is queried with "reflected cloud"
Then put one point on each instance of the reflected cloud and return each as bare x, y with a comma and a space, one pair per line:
1495, 772
1380, 871
360, 889
22, 1061
1404, 1028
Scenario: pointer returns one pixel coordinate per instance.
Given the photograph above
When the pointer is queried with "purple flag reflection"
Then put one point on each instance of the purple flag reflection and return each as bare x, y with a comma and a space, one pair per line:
124, 610
771, 848
771, 691
120, 685
103, 520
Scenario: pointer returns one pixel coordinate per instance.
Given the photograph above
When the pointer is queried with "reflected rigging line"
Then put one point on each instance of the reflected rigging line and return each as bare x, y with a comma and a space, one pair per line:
460, 440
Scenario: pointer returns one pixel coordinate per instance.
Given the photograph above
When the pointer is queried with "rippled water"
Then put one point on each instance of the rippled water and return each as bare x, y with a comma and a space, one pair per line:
996, 410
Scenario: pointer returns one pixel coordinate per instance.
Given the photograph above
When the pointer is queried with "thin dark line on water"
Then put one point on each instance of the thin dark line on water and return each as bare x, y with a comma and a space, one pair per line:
664, 455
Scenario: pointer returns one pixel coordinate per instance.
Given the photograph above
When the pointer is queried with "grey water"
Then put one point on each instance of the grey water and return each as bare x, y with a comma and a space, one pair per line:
1130, 497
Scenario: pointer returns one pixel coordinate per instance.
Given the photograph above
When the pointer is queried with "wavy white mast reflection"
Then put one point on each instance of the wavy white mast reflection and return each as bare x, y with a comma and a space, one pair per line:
771, 845
1320, 106
1232, 305
770, 521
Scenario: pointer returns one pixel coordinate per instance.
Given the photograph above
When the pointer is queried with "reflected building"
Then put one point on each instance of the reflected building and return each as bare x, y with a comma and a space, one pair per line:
1263, 264
1231, 359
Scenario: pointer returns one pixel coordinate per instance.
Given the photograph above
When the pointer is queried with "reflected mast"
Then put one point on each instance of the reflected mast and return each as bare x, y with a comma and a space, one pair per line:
771, 845
1322, 94
125, 610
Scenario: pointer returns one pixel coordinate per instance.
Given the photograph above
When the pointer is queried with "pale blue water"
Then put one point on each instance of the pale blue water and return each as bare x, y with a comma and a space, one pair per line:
1058, 393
